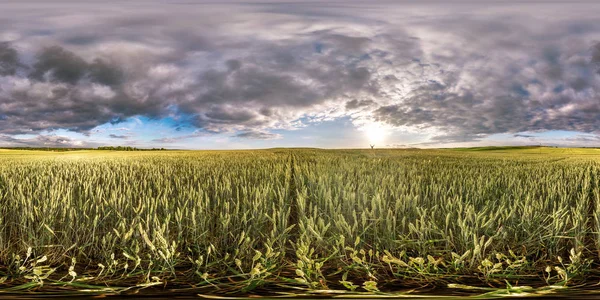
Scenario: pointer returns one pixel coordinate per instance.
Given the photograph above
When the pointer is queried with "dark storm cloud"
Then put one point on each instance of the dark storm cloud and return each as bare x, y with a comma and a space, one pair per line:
596, 57
62, 90
9, 60
59, 65
105, 73
56, 64
465, 70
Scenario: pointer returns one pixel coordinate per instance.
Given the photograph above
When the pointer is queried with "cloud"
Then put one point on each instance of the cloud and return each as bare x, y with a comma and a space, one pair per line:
9, 60
258, 135
175, 139
525, 136
51, 141
583, 138
115, 136
272, 66
166, 140
58, 65
63, 90
354, 104
505, 97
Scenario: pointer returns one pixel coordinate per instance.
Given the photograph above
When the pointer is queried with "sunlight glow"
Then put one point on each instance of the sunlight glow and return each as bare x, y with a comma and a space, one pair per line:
376, 134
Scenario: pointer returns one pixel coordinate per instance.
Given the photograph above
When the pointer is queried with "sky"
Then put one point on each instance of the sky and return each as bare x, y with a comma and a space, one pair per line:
186, 74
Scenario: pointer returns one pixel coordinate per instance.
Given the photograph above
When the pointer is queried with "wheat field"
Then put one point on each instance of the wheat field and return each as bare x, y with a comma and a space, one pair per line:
299, 220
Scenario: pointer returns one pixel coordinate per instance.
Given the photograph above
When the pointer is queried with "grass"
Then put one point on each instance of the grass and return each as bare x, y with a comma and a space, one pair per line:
492, 221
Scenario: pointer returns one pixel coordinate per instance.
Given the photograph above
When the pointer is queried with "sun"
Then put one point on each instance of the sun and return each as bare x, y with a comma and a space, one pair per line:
375, 133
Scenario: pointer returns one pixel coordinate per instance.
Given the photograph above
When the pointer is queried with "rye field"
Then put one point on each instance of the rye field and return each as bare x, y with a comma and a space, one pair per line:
288, 222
